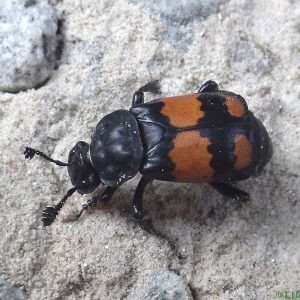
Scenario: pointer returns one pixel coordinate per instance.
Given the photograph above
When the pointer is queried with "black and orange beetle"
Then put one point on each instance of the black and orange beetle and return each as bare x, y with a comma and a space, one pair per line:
209, 136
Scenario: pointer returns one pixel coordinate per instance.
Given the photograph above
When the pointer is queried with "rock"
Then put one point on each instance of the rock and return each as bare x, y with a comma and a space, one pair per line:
9, 292
28, 45
161, 284
182, 10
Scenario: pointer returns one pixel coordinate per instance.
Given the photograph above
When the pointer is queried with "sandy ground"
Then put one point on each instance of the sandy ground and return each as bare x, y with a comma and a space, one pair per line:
232, 251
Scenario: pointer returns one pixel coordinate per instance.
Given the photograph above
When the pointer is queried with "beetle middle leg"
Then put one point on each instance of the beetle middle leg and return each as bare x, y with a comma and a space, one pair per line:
229, 191
137, 204
103, 198
152, 87
138, 214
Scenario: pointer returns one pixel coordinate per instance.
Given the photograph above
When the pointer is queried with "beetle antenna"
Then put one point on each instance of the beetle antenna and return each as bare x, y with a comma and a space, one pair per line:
152, 87
30, 153
50, 212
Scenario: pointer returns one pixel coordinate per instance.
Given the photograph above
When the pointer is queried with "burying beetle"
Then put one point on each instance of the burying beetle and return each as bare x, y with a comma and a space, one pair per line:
209, 136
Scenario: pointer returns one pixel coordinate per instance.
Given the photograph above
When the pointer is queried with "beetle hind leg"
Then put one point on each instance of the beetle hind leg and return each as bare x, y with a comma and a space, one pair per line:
209, 86
152, 87
229, 191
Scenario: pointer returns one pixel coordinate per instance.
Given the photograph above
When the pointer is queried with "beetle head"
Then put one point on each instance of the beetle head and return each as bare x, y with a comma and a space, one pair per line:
82, 173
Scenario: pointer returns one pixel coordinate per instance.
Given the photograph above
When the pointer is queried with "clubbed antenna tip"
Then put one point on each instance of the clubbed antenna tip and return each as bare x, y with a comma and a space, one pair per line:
30, 153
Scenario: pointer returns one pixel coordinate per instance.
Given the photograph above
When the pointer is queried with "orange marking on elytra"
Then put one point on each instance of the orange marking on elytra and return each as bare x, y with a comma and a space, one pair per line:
191, 157
182, 111
243, 152
235, 106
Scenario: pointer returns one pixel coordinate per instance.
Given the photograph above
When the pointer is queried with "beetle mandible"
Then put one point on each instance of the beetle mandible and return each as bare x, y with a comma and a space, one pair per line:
209, 136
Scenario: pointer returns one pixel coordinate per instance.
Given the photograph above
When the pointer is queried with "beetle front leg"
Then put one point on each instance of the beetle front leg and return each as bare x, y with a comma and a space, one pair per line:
103, 198
229, 191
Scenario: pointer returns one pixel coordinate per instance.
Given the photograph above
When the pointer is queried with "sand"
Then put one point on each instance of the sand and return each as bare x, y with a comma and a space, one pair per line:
110, 49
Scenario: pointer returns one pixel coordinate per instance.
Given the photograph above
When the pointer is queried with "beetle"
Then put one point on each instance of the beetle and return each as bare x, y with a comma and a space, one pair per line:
205, 137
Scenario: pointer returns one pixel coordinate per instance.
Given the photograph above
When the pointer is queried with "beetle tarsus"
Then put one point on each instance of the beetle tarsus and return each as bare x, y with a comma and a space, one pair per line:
146, 225
49, 215
50, 212
229, 191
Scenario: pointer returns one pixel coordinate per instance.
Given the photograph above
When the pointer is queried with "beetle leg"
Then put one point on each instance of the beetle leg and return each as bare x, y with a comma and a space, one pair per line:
228, 190
137, 205
209, 86
138, 98
107, 194
104, 198
152, 87
50, 212
138, 214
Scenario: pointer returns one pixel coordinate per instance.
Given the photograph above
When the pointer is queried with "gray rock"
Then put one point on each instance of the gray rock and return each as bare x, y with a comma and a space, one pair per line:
9, 292
182, 10
161, 284
28, 44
